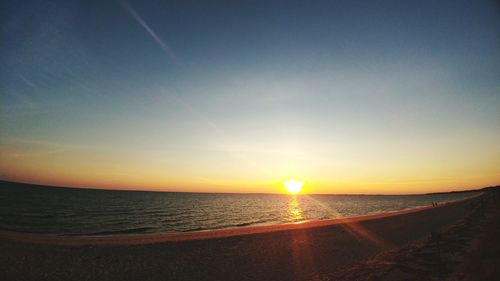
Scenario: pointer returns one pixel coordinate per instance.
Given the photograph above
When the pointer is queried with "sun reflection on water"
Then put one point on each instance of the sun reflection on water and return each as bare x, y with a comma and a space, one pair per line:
294, 210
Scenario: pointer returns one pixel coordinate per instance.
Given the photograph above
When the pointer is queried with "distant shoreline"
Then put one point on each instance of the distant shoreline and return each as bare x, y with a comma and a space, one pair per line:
97, 189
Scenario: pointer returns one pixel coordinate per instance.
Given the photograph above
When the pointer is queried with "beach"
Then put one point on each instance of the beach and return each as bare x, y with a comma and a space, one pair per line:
389, 246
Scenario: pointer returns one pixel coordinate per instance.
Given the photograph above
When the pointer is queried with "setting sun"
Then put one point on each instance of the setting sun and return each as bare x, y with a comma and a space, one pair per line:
293, 186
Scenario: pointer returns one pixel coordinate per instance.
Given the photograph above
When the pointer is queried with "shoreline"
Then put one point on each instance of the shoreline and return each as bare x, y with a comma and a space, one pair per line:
319, 250
139, 239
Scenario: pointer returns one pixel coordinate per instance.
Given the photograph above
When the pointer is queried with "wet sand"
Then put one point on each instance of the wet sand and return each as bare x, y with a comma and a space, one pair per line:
362, 248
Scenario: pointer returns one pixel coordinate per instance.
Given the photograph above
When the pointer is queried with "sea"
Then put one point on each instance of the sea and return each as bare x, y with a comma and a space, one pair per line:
70, 211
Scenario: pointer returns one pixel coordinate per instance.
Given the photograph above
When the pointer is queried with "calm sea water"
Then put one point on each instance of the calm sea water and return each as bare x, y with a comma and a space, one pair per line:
62, 211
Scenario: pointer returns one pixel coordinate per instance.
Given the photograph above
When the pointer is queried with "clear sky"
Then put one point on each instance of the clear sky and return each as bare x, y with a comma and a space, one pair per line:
238, 96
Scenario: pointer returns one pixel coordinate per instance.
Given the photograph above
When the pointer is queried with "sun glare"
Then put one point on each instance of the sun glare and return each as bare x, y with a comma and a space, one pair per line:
293, 186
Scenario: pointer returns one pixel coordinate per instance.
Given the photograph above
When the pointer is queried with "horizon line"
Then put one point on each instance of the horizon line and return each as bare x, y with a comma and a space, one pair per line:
473, 189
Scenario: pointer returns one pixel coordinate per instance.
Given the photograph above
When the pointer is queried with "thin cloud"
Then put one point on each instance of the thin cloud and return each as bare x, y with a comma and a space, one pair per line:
166, 49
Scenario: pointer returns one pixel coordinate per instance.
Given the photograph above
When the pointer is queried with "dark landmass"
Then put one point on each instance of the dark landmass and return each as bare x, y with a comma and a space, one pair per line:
21, 185
484, 189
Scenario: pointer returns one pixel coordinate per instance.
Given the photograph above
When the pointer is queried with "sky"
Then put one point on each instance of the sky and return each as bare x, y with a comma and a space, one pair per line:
388, 97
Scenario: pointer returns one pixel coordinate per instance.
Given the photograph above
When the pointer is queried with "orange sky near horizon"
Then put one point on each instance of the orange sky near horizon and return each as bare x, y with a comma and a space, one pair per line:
89, 167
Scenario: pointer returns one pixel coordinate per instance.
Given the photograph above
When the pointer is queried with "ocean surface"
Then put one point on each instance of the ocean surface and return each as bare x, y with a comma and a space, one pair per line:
66, 211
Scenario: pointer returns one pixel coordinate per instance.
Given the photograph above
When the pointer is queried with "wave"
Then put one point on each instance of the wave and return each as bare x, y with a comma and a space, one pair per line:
138, 230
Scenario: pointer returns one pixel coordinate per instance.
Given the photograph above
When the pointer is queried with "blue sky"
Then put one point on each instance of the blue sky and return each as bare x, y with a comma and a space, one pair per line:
368, 94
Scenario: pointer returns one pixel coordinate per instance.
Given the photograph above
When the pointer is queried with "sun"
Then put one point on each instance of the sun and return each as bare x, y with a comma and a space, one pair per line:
293, 186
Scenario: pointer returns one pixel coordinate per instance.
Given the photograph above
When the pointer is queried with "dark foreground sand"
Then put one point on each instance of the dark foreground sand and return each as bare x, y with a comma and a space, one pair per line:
393, 246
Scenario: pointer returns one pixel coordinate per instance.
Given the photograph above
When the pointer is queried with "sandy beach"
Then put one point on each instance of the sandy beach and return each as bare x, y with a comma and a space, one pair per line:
391, 246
